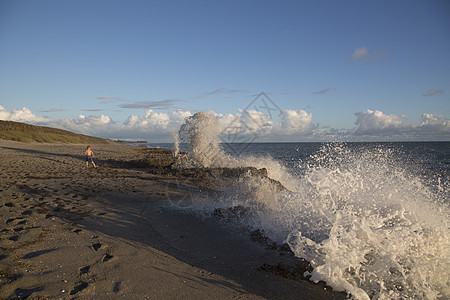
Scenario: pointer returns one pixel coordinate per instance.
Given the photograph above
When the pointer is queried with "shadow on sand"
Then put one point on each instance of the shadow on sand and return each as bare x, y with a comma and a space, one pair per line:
204, 243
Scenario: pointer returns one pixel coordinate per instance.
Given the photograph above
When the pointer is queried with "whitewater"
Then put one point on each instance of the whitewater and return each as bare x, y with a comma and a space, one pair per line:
368, 223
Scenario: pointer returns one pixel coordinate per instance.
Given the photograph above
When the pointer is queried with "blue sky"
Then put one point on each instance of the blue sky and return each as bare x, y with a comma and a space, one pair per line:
334, 70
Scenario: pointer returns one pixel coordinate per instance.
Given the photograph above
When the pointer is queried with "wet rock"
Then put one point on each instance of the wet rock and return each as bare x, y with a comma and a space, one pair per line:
234, 212
295, 272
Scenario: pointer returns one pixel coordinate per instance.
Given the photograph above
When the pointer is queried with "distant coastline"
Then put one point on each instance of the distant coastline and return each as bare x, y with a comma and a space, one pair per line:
130, 142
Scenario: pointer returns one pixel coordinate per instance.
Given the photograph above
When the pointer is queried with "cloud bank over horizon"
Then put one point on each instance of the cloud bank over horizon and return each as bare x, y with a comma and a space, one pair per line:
289, 126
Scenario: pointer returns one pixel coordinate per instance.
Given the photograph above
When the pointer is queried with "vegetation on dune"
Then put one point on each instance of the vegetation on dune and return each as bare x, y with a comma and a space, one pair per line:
22, 132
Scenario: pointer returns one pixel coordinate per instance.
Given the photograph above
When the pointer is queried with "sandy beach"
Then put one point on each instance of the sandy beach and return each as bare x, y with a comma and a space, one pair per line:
68, 231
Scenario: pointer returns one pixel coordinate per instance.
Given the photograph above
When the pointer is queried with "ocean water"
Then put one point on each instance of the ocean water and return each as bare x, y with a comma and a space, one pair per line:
372, 218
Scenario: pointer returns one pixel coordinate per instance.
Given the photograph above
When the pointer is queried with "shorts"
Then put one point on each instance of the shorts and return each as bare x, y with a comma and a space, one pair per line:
89, 159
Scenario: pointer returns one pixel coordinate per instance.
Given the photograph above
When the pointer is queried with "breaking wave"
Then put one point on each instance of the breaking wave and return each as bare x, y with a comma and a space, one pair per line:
367, 224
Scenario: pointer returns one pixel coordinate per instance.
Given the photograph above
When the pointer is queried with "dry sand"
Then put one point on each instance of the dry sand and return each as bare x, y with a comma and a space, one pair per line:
68, 231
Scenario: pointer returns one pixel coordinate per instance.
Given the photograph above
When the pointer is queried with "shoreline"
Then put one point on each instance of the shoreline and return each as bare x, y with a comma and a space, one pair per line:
70, 231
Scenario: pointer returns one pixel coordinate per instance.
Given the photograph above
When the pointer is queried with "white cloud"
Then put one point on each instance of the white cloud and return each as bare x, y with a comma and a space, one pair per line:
255, 119
151, 119
152, 125
295, 122
178, 116
23, 115
95, 120
254, 125
434, 123
363, 54
91, 125
4, 114
224, 121
244, 123
375, 122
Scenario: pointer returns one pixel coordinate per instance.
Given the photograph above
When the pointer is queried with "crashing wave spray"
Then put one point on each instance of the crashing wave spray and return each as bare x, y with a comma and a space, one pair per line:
366, 224
381, 233
176, 146
201, 133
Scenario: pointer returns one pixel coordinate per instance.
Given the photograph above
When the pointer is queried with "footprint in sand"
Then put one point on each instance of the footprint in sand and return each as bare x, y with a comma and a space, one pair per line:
116, 288
99, 246
27, 212
14, 238
80, 285
18, 229
25, 293
85, 270
48, 216
96, 246
107, 257
78, 231
3, 255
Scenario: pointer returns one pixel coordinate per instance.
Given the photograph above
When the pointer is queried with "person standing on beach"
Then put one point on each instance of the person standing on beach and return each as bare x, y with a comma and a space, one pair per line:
89, 156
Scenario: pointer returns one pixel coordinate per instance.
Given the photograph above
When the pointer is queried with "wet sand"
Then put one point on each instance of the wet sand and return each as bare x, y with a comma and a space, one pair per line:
68, 231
